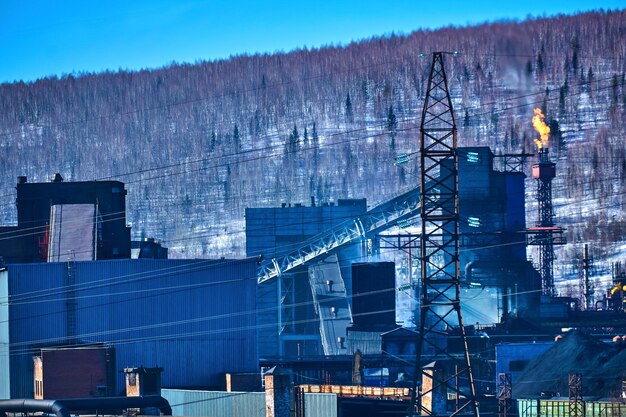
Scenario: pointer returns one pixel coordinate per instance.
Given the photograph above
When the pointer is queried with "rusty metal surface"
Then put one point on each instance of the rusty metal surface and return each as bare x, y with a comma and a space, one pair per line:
359, 391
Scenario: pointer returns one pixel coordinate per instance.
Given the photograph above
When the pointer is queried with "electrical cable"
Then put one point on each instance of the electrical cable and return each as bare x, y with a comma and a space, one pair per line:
367, 128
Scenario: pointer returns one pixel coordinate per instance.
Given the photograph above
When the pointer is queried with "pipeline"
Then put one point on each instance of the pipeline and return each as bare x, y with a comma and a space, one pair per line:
63, 407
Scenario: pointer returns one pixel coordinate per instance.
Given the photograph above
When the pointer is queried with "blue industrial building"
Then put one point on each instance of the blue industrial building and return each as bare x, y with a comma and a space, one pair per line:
512, 358
492, 212
492, 231
492, 242
194, 318
288, 324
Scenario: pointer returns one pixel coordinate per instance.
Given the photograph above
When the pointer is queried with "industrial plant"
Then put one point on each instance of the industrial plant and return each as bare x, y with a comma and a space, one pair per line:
439, 302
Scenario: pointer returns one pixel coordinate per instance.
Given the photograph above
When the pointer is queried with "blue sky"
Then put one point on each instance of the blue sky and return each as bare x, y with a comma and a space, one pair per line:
40, 38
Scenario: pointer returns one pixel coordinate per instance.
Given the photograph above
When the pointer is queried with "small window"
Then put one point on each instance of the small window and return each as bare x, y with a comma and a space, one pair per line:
517, 366
473, 221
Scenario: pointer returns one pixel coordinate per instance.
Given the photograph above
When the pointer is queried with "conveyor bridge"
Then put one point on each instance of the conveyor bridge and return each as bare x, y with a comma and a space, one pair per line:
381, 217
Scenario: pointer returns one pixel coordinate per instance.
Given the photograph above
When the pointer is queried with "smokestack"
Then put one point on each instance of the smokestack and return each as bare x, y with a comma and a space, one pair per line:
544, 169
546, 233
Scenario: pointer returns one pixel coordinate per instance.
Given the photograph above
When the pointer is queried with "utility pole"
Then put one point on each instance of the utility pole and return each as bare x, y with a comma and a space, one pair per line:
587, 288
440, 309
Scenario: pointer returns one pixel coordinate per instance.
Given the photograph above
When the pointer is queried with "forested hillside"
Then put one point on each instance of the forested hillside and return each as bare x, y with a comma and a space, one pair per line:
197, 143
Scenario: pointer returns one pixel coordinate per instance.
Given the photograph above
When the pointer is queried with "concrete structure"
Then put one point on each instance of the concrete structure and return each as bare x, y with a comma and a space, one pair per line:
248, 382
143, 381
75, 232
373, 296
278, 394
492, 226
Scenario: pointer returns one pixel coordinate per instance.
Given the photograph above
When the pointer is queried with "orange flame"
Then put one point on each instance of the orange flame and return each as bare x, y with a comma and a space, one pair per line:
542, 128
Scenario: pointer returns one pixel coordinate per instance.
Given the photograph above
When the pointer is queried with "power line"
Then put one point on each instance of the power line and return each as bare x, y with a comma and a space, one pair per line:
356, 130
208, 318
207, 235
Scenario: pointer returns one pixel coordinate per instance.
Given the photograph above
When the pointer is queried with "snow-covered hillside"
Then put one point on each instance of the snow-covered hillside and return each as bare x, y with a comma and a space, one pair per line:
197, 144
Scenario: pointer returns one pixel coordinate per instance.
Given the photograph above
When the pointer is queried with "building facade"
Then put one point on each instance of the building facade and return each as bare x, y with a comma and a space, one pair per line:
193, 318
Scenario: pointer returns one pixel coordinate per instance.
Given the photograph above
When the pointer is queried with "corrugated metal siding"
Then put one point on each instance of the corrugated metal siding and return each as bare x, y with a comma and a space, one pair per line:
320, 405
239, 404
215, 403
194, 318
518, 352
5, 378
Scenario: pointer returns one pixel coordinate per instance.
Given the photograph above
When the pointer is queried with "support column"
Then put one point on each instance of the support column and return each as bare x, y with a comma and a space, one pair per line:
505, 400
278, 395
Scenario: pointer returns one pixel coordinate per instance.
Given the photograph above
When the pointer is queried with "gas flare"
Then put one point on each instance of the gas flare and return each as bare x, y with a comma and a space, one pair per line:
542, 128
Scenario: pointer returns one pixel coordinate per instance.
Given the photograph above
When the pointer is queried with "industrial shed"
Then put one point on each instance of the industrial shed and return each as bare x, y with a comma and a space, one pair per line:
194, 318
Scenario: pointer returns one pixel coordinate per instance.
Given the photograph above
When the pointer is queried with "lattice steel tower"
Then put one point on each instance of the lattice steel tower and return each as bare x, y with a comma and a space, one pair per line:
576, 403
544, 172
440, 309
505, 395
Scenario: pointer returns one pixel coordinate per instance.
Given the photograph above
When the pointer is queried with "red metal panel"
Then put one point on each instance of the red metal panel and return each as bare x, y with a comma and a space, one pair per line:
76, 373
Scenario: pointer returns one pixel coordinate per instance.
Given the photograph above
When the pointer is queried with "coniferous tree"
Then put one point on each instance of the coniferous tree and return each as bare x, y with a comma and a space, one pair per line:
392, 120
314, 136
349, 113
466, 119
213, 142
529, 69
575, 49
236, 138
278, 92
540, 63
556, 134
392, 127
